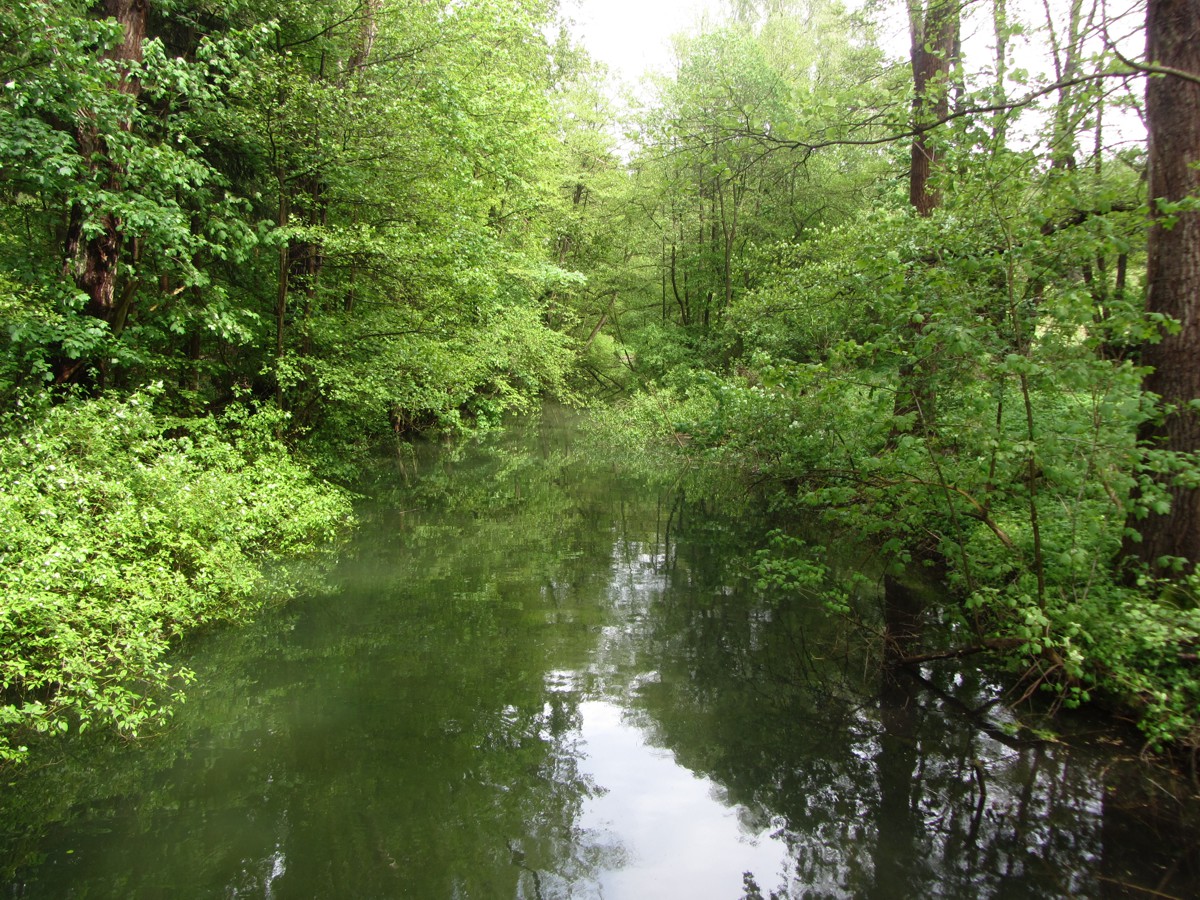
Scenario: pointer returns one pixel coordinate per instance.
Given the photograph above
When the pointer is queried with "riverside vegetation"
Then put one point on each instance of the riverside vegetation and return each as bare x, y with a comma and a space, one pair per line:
947, 305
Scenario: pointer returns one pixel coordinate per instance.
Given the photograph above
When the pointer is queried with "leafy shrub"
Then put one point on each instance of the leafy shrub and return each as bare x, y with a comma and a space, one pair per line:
1015, 475
120, 531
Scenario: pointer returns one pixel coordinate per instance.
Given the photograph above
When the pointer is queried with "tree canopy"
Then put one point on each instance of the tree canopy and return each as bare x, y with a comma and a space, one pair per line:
944, 300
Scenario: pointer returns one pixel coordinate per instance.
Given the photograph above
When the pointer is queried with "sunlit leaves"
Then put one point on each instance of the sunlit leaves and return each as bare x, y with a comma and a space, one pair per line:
116, 538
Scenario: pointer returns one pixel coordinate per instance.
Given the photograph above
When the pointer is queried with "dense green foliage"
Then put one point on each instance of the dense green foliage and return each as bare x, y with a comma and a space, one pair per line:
317, 224
120, 530
907, 297
959, 390
342, 206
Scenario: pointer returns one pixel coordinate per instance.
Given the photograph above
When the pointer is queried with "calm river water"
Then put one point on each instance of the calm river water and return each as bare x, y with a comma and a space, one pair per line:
533, 679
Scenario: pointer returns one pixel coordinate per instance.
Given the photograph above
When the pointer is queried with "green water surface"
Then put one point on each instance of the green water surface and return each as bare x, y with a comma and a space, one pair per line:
534, 679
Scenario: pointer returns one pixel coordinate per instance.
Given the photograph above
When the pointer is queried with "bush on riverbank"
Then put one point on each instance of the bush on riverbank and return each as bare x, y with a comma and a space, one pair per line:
1044, 597
121, 530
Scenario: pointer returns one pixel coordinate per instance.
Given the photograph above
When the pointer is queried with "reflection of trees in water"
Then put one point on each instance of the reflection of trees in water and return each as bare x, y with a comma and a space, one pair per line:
398, 738
415, 734
327, 770
881, 786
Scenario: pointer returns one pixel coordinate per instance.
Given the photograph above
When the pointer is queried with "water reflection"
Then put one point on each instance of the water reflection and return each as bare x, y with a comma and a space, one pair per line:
540, 680
880, 787
675, 833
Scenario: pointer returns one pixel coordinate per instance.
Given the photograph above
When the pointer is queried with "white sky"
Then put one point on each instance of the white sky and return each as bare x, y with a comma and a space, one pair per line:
632, 36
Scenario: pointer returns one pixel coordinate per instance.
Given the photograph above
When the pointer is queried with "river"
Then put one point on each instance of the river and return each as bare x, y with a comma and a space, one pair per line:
529, 677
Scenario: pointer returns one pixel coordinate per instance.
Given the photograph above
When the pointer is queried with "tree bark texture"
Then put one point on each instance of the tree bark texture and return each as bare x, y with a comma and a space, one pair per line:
97, 261
1173, 265
934, 27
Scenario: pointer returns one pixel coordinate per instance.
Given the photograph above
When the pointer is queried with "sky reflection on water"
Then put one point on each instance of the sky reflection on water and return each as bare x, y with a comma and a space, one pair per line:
536, 680
677, 834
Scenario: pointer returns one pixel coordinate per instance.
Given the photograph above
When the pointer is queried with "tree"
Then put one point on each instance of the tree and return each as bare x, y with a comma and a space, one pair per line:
934, 28
711, 152
106, 177
1173, 269
409, 190
726, 96
97, 255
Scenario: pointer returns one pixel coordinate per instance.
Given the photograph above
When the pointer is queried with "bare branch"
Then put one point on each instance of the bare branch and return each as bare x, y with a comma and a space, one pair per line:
917, 129
1152, 68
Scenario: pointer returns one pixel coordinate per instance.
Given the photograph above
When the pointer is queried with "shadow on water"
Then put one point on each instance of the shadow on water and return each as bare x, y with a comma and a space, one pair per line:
534, 678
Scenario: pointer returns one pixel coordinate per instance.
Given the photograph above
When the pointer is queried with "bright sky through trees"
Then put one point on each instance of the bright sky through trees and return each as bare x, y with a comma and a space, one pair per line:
633, 36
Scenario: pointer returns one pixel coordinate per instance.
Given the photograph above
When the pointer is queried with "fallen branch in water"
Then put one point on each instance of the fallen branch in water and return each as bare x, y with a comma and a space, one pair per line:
993, 644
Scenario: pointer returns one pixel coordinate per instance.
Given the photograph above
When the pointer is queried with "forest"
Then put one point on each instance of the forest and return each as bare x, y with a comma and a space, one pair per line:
943, 303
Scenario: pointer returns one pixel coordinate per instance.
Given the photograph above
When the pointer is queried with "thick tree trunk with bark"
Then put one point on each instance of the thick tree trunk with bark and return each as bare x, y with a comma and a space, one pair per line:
96, 259
1173, 266
934, 28
934, 39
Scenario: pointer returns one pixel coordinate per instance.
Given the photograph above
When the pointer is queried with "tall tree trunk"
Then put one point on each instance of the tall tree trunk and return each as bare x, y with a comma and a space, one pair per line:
934, 38
368, 29
1173, 266
1067, 48
97, 260
934, 31
1000, 28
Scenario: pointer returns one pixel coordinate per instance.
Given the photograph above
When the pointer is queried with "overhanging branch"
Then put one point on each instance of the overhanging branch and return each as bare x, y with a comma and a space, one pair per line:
916, 129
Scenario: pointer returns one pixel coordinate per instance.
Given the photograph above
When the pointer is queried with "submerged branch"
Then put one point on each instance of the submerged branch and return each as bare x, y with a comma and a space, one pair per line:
991, 645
